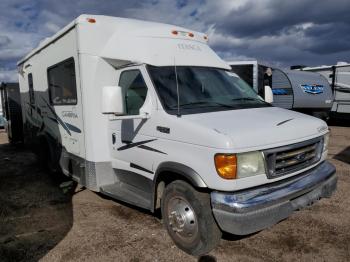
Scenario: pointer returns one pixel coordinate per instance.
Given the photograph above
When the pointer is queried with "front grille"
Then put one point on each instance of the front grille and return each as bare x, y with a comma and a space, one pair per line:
288, 159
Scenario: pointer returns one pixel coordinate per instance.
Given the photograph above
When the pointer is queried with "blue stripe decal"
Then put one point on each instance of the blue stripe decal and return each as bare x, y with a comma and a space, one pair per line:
279, 91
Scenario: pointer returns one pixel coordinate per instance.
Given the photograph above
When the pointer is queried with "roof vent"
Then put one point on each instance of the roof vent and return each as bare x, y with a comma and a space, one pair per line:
340, 63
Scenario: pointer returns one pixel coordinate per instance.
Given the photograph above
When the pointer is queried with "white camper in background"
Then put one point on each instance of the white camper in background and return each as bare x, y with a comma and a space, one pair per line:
338, 77
148, 114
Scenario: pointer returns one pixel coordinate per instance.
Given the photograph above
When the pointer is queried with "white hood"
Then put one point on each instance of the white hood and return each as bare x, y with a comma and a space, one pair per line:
259, 128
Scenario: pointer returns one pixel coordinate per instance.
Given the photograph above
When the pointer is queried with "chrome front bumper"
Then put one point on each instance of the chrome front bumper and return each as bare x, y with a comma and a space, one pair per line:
248, 211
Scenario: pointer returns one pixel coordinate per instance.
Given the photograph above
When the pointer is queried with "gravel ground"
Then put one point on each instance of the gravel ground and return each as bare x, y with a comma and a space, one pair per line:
39, 221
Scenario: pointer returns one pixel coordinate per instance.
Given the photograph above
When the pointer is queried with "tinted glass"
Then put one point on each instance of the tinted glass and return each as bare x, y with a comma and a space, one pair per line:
31, 89
134, 89
62, 83
202, 89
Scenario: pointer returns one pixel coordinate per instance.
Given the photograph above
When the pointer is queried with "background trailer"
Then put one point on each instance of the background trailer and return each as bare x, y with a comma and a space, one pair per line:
301, 91
338, 77
2, 120
12, 112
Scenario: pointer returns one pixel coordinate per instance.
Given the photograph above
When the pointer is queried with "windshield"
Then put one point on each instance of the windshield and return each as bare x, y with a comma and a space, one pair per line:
202, 89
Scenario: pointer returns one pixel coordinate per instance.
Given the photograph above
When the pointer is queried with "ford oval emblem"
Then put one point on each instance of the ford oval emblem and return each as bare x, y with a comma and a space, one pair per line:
300, 157
312, 89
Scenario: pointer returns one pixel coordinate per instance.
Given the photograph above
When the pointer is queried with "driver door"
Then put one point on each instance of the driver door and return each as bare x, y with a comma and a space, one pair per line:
131, 162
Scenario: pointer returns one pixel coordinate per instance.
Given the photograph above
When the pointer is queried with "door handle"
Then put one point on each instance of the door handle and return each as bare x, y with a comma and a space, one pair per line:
114, 138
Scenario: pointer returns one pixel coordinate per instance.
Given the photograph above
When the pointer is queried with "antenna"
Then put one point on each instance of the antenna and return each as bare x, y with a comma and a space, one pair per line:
177, 90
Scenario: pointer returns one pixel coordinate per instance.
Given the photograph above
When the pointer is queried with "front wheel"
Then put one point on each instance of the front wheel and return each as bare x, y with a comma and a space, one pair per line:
188, 218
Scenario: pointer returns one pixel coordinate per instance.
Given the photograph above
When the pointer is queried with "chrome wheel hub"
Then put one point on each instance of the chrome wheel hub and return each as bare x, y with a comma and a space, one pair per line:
182, 218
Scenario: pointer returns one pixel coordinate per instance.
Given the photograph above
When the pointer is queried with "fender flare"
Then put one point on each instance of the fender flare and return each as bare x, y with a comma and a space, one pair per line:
183, 170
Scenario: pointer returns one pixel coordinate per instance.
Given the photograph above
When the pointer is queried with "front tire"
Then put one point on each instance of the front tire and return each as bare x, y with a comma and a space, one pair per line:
188, 218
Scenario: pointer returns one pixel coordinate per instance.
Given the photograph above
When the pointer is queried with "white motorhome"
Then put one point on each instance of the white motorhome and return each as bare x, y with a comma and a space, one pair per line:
338, 77
148, 114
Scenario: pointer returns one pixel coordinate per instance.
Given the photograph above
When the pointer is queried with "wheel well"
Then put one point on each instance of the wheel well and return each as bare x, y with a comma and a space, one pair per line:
165, 178
47, 151
41, 146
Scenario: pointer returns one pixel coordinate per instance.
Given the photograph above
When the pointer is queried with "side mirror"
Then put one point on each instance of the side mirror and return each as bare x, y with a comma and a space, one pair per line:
113, 100
268, 94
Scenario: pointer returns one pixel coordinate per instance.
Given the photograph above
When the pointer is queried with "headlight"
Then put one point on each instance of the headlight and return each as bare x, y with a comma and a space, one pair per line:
325, 142
232, 166
250, 164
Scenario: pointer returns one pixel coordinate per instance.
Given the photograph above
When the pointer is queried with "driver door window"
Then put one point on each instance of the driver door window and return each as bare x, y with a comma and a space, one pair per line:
134, 90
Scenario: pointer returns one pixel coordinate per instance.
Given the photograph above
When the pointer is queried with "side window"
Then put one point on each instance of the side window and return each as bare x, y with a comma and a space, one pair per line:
134, 90
62, 83
31, 89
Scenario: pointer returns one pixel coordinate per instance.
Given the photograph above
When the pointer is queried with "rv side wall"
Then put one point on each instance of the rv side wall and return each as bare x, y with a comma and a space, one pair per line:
96, 73
55, 121
342, 89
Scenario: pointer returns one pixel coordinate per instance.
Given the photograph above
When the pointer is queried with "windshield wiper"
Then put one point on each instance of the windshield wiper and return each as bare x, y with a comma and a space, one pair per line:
212, 103
247, 99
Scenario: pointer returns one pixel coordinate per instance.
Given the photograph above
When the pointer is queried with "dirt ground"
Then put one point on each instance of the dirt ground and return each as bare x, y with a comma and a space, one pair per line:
38, 221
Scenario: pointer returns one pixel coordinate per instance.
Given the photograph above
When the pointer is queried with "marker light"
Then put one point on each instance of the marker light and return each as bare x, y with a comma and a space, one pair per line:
226, 165
91, 20
325, 142
182, 33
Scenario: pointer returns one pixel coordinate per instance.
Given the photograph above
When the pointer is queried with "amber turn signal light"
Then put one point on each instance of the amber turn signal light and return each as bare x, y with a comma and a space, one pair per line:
226, 165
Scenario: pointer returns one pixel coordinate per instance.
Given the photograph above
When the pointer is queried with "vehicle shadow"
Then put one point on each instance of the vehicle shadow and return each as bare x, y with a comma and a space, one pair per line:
228, 237
35, 212
122, 203
231, 237
344, 155
207, 258
343, 121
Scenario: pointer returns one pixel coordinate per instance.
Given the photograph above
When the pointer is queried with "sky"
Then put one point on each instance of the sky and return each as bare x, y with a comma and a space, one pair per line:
277, 32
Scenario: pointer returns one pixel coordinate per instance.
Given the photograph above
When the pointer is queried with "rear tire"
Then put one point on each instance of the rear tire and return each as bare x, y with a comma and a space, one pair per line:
188, 218
48, 162
42, 152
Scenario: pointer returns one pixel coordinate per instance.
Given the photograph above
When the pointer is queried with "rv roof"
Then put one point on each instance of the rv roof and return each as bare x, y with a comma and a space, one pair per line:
136, 41
48, 41
243, 62
248, 62
324, 66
